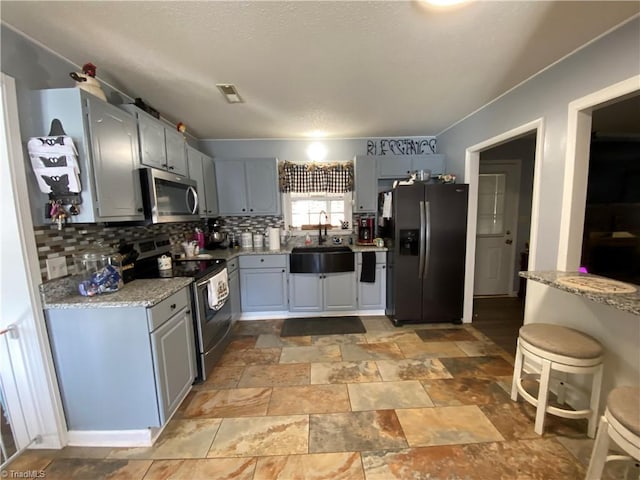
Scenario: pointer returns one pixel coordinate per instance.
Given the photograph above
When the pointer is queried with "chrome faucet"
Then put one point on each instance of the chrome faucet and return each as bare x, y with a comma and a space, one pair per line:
321, 240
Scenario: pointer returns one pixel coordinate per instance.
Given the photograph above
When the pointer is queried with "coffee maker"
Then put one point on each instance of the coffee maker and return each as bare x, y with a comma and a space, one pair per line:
365, 230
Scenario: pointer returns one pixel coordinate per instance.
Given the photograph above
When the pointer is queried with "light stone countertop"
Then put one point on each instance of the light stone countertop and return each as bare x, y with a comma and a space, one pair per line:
138, 293
627, 302
63, 293
230, 254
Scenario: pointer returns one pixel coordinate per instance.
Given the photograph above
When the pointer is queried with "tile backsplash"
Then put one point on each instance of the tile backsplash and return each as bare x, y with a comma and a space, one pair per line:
52, 242
73, 238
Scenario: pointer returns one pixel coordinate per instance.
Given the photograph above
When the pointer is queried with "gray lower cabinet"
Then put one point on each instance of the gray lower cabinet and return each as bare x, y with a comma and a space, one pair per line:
123, 368
372, 296
234, 288
263, 279
314, 292
106, 139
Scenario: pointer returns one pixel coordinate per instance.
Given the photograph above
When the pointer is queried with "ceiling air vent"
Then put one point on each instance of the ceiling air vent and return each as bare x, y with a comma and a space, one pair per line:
230, 92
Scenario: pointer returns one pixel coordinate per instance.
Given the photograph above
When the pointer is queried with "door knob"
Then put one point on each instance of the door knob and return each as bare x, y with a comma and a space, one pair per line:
508, 241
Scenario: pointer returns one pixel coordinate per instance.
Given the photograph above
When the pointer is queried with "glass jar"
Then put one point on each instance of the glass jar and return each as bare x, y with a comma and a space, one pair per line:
98, 271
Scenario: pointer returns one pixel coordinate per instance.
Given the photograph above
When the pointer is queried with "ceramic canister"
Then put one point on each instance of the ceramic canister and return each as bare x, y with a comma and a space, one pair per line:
246, 240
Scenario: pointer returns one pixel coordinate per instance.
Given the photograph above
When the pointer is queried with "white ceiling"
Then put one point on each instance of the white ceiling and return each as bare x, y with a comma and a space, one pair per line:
347, 68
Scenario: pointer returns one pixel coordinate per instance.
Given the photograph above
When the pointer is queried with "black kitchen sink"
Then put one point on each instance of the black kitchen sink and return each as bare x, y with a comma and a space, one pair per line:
321, 249
319, 259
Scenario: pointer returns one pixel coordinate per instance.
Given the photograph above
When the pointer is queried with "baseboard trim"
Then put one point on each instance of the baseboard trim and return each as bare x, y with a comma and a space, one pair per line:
286, 314
113, 438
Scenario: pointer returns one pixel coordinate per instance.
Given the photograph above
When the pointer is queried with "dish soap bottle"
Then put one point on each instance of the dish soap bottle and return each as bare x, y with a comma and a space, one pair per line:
307, 240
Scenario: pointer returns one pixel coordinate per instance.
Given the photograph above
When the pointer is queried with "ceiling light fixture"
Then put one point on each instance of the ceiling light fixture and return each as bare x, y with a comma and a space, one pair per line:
230, 92
316, 152
443, 3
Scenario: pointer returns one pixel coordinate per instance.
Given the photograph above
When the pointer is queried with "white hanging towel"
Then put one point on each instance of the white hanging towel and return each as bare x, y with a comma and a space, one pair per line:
60, 145
58, 180
386, 206
51, 160
218, 290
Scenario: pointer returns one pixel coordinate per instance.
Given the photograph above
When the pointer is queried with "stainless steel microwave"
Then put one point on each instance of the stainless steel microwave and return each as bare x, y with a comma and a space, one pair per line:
168, 197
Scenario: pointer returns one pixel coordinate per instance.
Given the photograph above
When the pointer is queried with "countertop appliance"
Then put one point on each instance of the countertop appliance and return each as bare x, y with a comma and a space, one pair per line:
212, 328
168, 197
425, 225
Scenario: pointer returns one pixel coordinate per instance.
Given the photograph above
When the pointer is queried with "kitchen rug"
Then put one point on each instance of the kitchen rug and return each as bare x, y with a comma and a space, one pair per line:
297, 327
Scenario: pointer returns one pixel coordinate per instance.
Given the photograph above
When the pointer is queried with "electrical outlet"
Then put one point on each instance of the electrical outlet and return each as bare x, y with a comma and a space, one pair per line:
56, 267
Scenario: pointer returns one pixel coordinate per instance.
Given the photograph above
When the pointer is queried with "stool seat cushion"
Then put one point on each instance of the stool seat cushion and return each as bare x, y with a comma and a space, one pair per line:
624, 404
561, 340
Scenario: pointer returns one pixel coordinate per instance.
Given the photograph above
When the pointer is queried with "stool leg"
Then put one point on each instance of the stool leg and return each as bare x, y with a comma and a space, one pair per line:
517, 373
599, 452
543, 396
594, 405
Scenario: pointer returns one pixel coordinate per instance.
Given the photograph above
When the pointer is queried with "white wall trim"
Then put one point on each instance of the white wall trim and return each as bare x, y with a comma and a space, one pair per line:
48, 417
471, 173
113, 438
576, 169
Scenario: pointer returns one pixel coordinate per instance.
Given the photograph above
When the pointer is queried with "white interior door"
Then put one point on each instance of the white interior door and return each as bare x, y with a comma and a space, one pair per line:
498, 190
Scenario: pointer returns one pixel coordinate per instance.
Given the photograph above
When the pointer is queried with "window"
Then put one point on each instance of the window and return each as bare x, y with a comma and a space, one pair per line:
304, 208
491, 198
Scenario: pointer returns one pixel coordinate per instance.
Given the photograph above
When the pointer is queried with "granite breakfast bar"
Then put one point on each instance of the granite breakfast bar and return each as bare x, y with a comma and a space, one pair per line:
603, 308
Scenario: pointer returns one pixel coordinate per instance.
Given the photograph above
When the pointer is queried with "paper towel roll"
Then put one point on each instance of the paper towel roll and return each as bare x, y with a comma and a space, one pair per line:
274, 238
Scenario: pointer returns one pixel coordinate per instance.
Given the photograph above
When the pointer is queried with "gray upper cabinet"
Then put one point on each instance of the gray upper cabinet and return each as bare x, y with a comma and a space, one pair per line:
202, 170
107, 142
247, 186
401, 166
161, 146
366, 199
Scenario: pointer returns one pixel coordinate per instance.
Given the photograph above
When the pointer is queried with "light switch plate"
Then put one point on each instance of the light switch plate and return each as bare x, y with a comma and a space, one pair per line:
56, 267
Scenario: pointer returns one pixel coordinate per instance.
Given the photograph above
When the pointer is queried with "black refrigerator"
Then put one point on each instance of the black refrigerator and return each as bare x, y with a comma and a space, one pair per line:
425, 227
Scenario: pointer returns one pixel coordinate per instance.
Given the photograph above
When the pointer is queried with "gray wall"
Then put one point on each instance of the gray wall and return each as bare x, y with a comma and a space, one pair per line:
286, 149
35, 67
611, 59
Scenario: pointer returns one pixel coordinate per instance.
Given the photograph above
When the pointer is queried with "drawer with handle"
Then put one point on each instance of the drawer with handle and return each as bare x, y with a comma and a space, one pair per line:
163, 311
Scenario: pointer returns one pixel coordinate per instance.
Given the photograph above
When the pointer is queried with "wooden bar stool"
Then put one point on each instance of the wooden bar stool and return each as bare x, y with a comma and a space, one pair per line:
558, 349
620, 423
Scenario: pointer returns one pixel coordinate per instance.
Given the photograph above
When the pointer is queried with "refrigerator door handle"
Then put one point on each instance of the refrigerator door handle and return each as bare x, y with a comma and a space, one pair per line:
427, 238
422, 240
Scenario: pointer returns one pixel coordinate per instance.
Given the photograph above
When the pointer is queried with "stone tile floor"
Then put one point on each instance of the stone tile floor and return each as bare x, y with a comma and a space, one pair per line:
411, 403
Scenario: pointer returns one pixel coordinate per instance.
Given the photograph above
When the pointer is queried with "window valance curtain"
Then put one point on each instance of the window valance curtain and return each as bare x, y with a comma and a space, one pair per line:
316, 177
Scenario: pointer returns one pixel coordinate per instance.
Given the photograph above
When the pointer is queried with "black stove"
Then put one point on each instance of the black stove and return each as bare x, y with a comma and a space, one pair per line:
149, 250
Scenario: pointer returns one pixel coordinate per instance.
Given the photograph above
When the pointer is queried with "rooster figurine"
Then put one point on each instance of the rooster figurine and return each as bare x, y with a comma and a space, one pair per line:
87, 82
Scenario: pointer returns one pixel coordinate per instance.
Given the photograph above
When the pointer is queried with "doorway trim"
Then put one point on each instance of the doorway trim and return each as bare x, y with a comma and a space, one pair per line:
471, 176
37, 386
576, 168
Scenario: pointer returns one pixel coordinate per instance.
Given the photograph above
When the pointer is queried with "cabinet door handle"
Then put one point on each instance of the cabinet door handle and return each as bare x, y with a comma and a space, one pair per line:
244, 209
251, 209
187, 311
171, 168
173, 306
283, 270
140, 209
262, 259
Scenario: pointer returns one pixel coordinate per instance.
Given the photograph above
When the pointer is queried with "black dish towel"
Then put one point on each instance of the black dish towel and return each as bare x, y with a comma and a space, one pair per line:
368, 273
